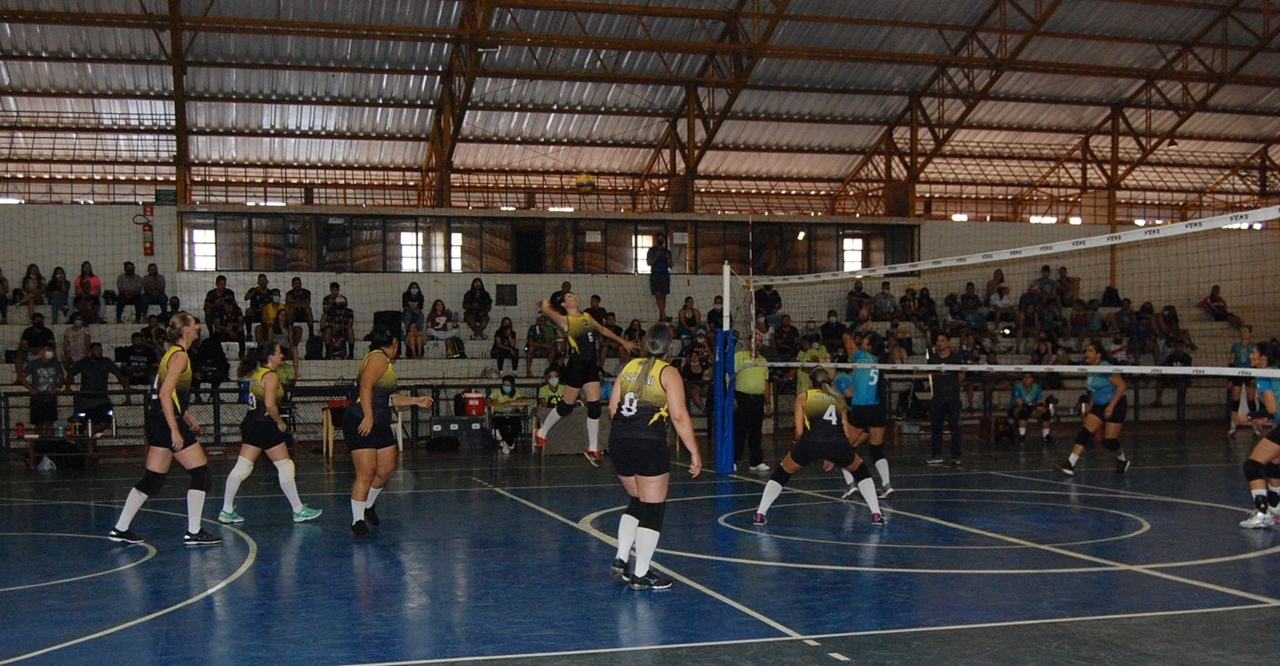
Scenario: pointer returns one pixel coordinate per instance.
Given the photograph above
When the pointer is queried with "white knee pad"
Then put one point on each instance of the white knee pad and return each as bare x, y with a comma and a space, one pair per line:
243, 468
286, 469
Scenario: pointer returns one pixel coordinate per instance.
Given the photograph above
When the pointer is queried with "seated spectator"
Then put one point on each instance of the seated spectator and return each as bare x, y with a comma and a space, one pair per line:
335, 292
551, 391
229, 330
769, 305
76, 341
814, 354
31, 291
1121, 321
86, 304
557, 297
153, 290
209, 364
1177, 358
4, 298
610, 348
415, 342
715, 316
1067, 286
1118, 350
1004, 307
1171, 327
476, 305
1029, 305
928, 310
833, 334
1046, 282
694, 374
953, 322
903, 335
993, 285
884, 307
786, 340
298, 300
1051, 318
175, 306
220, 303
811, 333
1145, 336
1078, 322
596, 311
689, 319
275, 318
505, 347
909, 306
139, 361
1216, 306
57, 292
699, 347
441, 324
43, 377
856, 301
540, 342
507, 412
92, 286
339, 325
413, 307
893, 352
33, 340
256, 298
763, 338
129, 292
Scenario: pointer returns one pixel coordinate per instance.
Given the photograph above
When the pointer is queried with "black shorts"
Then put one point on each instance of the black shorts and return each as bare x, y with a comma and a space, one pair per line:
97, 413
1238, 381
380, 437
837, 451
660, 283
580, 372
640, 457
157, 431
1025, 412
44, 409
262, 433
1117, 414
865, 417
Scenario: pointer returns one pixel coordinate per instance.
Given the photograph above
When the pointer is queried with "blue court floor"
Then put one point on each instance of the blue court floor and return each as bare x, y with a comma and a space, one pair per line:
489, 558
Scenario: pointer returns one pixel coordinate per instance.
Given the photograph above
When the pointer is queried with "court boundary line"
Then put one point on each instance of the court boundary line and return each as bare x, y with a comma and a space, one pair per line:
151, 552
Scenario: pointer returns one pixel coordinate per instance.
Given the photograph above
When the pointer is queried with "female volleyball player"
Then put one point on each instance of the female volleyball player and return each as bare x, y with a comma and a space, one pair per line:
1262, 463
1108, 411
261, 430
866, 413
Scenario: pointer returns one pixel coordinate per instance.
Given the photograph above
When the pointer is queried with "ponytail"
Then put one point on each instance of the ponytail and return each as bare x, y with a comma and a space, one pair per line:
259, 358
657, 344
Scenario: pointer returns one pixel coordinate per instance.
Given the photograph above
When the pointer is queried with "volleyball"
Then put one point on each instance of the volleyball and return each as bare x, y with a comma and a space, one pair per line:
586, 183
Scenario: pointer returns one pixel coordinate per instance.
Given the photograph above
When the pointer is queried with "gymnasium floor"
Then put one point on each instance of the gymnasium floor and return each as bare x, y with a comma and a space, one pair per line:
504, 559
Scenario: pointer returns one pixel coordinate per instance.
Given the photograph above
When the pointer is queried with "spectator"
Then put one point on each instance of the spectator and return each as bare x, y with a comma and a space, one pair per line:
832, 333
507, 409
1029, 305
43, 377
700, 348
229, 330
175, 306
557, 298
1170, 326
1144, 336
221, 303
476, 304
31, 292
89, 285
339, 324
1067, 286
811, 333
1028, 403
209, 364
415, 341
634, 334
86, 304
551, 391
993, 285
140, 361
413, 307
909, 306
855, 302
540, 342
58, 293
608, 346
1004, 308
885, 306
505, 347
595, 310
92, 402
688, 319
335, 292
129, 292
715, 316
694, 373
257, 298
971, 306
1118, 350
4, 298
441, 324
298, 300
275, 320
813, 354
34, 339
893, 352
928, 310
1178, 358
786, 340
769, 305
764, 335
1216, 306
660, 259
1121, 321
76, 341
153, 290
1046, 282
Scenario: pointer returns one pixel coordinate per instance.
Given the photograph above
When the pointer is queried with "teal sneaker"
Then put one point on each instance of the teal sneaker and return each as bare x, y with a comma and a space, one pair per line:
230, 517
307, 513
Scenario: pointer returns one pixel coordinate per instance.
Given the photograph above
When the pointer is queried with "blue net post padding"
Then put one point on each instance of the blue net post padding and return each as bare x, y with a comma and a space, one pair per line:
723, 374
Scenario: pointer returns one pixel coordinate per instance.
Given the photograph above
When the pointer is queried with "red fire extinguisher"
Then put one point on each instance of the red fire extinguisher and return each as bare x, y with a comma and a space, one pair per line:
148, 240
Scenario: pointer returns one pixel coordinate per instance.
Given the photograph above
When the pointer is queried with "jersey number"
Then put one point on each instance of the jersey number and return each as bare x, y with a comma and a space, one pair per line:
873, 377
252, 402
832, 415
630, 403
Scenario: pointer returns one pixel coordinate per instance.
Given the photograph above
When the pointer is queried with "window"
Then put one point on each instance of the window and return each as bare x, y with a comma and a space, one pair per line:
641, 243
411, 244
851, 254
202, 250
455, 252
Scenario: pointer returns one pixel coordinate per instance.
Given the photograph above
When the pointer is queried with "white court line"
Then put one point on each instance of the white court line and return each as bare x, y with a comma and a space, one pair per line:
585, 526
151, 552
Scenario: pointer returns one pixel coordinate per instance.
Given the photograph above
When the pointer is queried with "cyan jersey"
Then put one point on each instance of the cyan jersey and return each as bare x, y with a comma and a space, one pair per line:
1029, 396
1264, 384
1241, 354
866, 382
1100, 385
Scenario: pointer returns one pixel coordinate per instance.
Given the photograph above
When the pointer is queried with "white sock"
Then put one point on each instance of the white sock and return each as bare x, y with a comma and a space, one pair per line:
1022, 431
373, 496
882, 466
772, 490
593, 434
548, 423
626, 536
131, 505
1073, 459
848, 476
195, 507
242, 470
289, 485
1044, 432
868, 489
357, 511
646, 544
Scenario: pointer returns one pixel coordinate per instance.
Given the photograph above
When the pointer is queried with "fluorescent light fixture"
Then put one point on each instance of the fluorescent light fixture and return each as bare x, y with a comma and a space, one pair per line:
264, 203
1043, 219
1075, 219
560, 209
959, 217
10, 200
506, 207
1140, 222
800, 236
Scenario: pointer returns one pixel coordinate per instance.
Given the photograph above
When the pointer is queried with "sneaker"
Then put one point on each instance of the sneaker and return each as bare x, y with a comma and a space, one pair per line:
759, 520
1257, 432
849, 490
201, 538
1065, 467
360, 529
592, 457
1122, 466
307, 513
1257, 520
539, 438
762, 467
1231, 432
1047, 439
934, 460
955, 462
1274, 512
650, 581
506, 450
885, 492
619, 570
126, 536
371, 516
230, 517
878, 519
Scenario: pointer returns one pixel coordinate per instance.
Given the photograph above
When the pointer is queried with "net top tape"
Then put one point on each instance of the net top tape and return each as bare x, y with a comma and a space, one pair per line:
1134, 370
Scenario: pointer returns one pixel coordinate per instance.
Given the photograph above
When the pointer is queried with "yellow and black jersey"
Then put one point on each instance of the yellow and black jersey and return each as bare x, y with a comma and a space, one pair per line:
181, 392
383, 389
582, 337
822, 415
257, 393
642, 404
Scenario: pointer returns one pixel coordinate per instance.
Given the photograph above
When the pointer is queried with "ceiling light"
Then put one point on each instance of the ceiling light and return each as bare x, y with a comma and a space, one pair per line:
959, 217
800, 236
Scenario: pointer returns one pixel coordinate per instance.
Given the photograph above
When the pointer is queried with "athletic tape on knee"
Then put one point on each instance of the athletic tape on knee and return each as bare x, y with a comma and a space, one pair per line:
860, 472
286, 469
151, 483
1111, 444
564, 408
594, 409
780, 475
652, 514
1253, 470
242, 470
201, 478
1273, 470
1084, 437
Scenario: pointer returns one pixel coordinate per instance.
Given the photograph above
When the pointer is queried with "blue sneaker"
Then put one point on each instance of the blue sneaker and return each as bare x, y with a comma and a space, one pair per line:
230, 517
307, 513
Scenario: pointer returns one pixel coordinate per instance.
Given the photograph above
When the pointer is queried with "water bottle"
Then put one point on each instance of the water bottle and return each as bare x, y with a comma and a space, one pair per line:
20, 430
60, 431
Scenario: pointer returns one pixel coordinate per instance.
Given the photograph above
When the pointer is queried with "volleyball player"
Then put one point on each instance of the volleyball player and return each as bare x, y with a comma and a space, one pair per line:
171, 435
1262, 463
366, 424
866, 413
1107, 412
262, 429
823, 432
648, 395
582, 371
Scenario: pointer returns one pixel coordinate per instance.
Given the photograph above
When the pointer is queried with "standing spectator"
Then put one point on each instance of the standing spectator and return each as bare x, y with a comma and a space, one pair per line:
31, 293
1029, 305
885, 306
476, 305
769, 305
1216, 306
153, 289
76, 341
786, 340
34, 339
660, 259
944, 408
751, 394
58, 292
4, 298
689, 319
413, 308
129, 292
539, 341
505, 347
298, 301
92, 402
43, 376
715, 316
257, 298
856, 301
140, 361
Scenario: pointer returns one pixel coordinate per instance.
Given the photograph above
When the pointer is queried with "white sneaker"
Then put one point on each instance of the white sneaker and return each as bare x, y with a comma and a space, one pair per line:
762, 467
1274, 512
505, 449
1232, 431
1258, 520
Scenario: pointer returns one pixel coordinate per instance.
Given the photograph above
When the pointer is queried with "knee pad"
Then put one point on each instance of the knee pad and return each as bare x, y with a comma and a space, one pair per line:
1084, 437
286, 469
242, 470
874, 453
594, 409
652, 515
780, 475
151, 483
860, 473
633, 508
564, 408
1111, 444
1253, 470
1272, 470
201, 478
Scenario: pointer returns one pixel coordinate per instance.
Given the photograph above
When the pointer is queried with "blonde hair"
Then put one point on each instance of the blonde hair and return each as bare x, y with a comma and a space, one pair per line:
176, 323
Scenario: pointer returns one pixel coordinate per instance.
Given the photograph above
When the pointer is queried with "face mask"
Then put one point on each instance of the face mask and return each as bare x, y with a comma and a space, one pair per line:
508, 389
413, 291
275, 299
813, 345
701, 340
553, 381
831, 320
48, 356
